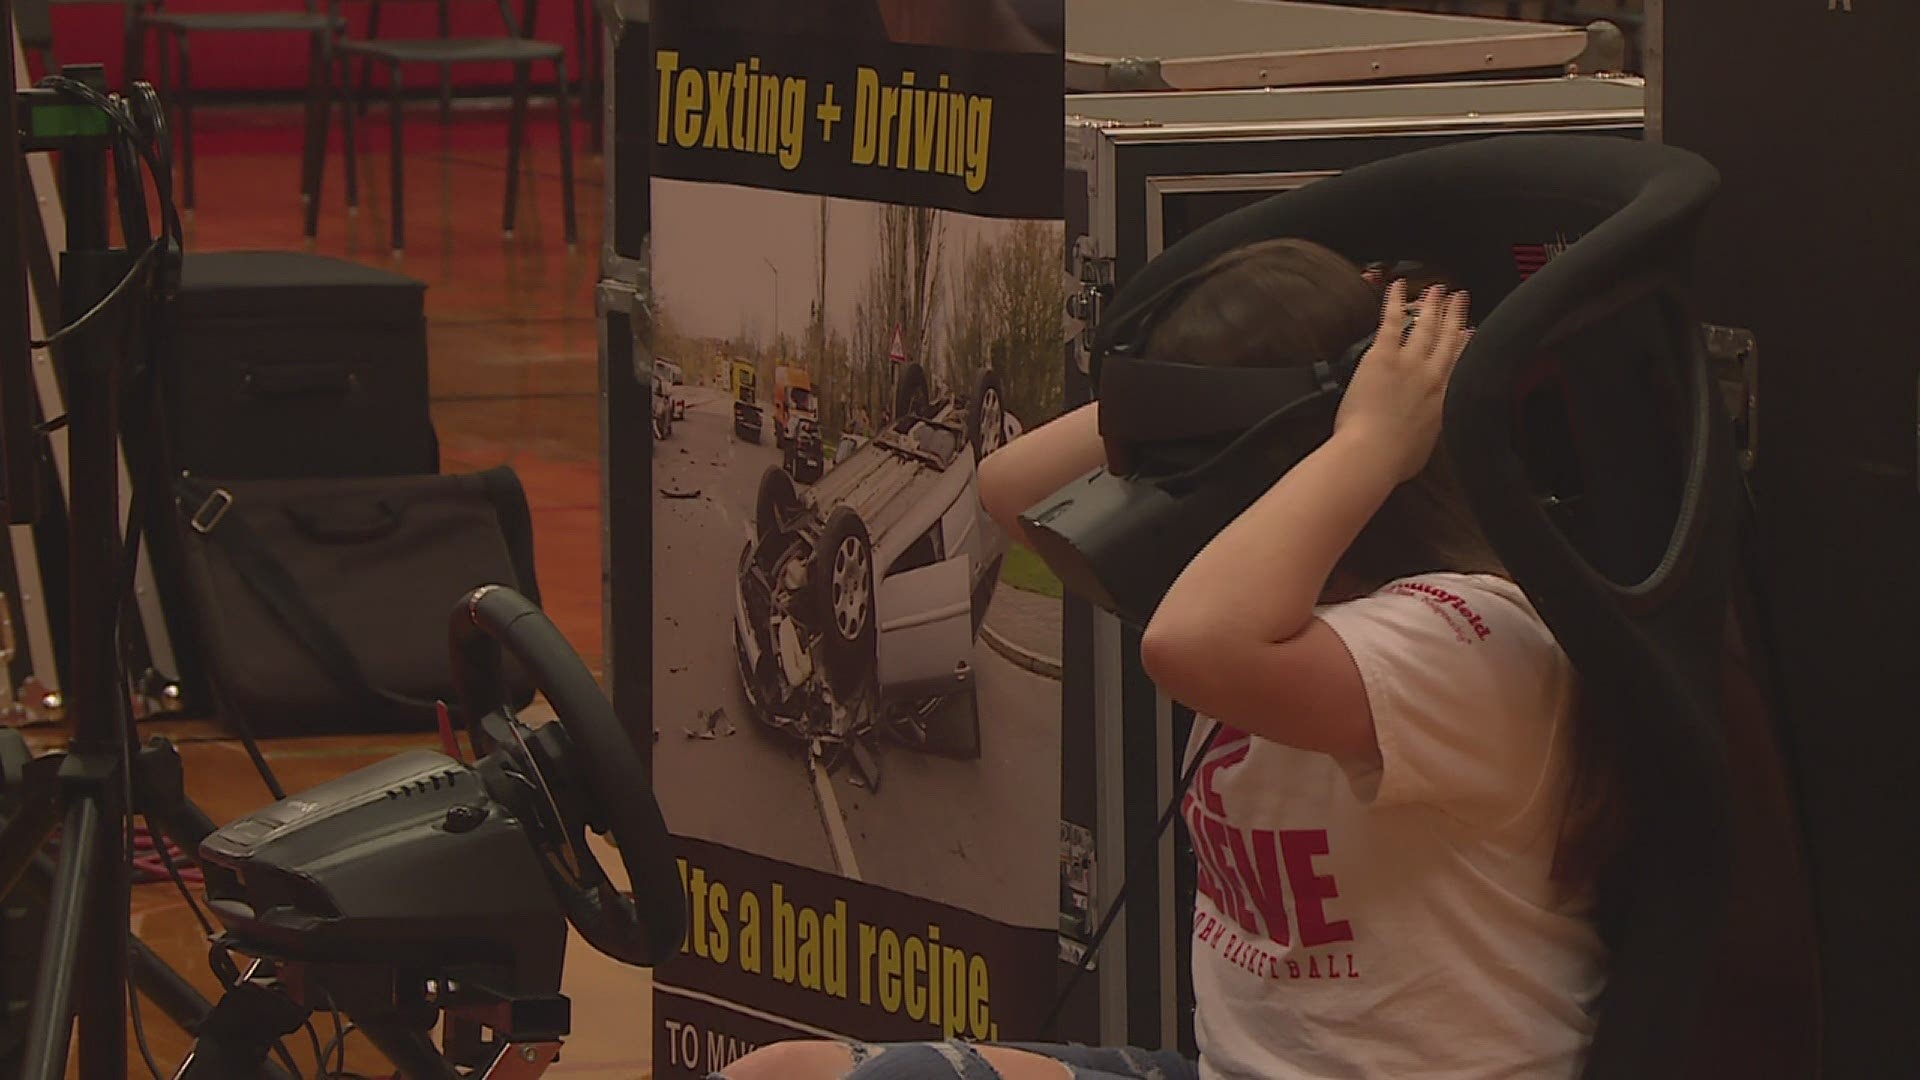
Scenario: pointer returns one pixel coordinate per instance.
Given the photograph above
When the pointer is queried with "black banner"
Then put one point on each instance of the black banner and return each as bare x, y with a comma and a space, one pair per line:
823, 955
856, 297
874, 120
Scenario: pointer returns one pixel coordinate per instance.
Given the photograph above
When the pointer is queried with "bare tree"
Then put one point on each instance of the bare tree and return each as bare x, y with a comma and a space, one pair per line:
903, 293
1006, 312
817, 329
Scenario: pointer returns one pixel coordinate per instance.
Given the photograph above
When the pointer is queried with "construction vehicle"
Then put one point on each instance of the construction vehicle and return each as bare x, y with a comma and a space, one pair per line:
746, 402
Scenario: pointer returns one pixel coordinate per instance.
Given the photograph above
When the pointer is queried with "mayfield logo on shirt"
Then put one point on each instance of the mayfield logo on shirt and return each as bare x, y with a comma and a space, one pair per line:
1467, 625
1268, 885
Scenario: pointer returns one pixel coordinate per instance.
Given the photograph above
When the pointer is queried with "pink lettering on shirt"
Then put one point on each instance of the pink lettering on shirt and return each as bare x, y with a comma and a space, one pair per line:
1263, 870
1311, 891
1446, 604
1248, 873
1229, 749
1215, 834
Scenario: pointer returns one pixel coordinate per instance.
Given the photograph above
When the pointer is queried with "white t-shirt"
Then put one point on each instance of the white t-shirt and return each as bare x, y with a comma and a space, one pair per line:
1398, 921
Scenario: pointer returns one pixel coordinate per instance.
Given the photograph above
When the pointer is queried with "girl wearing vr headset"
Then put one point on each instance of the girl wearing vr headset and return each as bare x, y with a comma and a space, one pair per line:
1400, 816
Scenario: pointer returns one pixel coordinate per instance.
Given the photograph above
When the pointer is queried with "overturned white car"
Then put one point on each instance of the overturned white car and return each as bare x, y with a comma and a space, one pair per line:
858, 603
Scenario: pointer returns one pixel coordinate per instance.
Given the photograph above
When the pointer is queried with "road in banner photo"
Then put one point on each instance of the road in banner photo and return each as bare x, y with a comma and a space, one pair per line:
855, 671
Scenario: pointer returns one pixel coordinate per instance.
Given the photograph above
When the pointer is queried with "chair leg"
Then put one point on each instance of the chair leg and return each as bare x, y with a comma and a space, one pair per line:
164, 78
446, 70
135, 35
566, 154
321, 115
516, 134
399, 206
349, 135
185, 92
366, 65
595, 104
316, 68
580, 20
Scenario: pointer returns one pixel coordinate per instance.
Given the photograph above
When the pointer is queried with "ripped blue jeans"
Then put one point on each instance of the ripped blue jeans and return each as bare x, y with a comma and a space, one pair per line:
960, 1061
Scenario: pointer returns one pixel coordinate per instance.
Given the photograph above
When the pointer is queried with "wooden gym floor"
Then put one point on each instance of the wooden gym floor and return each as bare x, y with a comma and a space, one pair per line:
513, 349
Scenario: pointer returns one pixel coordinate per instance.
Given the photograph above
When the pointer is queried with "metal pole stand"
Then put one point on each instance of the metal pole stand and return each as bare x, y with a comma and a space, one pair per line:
83, 973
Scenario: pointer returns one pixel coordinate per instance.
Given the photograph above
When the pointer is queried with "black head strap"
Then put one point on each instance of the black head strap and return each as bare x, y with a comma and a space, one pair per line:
1153, 401
1144, 400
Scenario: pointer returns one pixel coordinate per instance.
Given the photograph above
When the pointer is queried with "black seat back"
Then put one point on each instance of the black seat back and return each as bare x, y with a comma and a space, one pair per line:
1587, 431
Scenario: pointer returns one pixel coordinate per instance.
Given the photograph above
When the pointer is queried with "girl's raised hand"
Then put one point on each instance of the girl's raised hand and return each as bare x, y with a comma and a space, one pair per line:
1394, 401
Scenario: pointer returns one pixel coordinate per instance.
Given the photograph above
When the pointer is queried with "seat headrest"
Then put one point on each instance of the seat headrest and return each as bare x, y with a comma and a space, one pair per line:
1490, 212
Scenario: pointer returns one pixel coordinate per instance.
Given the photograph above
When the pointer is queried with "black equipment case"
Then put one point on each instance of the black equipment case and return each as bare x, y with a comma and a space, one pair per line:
286, 364
1809, 249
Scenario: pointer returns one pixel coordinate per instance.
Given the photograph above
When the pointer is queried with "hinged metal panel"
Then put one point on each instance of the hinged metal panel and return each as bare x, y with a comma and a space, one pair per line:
1122, 45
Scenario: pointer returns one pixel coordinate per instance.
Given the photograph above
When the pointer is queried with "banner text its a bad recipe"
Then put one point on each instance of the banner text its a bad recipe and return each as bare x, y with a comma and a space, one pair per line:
828, 951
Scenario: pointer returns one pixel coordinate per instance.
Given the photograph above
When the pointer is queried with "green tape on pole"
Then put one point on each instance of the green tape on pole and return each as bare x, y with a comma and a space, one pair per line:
67, 122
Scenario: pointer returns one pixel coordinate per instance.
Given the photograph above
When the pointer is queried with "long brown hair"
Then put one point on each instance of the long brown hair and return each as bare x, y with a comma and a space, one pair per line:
1287, 302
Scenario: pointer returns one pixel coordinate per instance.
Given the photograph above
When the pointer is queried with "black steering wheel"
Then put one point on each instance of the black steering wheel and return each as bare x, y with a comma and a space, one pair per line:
647, 927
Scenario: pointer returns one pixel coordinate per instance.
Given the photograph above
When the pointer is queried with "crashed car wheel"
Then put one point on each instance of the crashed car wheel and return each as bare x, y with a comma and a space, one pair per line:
777, 502
987, 415
843, 574
911, 394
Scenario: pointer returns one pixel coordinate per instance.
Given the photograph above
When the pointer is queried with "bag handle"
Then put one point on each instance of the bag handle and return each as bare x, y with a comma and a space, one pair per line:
268, 580
345, 521
301, 380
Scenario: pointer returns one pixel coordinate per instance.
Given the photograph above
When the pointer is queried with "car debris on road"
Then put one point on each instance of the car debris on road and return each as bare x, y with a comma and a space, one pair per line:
858, 603
714, 725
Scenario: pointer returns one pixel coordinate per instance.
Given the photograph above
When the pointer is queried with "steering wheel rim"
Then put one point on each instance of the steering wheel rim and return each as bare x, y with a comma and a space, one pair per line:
648, 926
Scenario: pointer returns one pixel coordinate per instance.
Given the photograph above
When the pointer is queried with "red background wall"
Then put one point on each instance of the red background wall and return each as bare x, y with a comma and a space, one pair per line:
91, 32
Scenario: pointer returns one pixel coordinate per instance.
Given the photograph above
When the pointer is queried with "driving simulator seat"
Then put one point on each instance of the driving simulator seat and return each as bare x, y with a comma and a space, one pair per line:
1587, 430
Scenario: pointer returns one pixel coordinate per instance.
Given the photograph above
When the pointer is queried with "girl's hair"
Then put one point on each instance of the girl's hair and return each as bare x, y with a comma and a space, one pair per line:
1295, 302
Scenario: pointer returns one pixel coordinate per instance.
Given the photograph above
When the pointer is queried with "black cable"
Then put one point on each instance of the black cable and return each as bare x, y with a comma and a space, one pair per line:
124, 720
126, 571
154, 147
125, 574
337, 1048
143, 263
340, 1037
145, 142
141, 271
220, 962
122, 706
180, 883
319, 1055
140, 1030
1142, 860
126, 780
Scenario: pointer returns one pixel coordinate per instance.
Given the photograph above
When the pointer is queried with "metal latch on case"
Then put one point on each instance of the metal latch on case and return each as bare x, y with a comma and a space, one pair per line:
1088, 299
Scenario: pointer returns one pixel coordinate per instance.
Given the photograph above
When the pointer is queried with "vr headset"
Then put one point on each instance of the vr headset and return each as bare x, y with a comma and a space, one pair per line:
1189, 448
